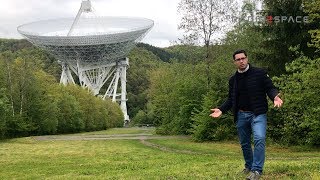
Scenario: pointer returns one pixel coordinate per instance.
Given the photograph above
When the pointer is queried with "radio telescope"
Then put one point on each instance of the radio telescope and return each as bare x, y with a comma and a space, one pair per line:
93, 48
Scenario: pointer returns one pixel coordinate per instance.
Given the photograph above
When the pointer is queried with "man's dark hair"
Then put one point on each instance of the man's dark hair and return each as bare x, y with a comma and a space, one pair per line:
239, 51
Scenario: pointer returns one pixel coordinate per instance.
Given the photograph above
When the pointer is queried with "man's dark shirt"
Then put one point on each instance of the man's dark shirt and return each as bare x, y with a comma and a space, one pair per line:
258, 85
243, 93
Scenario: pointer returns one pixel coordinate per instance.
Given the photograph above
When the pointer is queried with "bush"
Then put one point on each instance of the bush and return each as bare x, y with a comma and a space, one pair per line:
205, 128
70, 118
97, 114
297, 122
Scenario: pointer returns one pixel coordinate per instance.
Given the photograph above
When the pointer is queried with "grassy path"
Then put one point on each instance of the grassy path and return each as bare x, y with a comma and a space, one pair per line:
136, 153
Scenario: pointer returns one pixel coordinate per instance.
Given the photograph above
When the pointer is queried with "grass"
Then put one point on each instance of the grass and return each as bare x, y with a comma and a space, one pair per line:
27, 158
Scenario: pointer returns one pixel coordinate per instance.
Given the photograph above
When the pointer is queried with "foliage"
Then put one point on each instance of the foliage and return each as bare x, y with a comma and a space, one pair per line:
96, 113
177, 90
282, 36
142, 62
164, 55
4, 112
312, 7
70, 117
248, 35
142, 118
204, 127
298, 121
204, 21
174, 92
13, 45
41, 107
187, 53
33, 103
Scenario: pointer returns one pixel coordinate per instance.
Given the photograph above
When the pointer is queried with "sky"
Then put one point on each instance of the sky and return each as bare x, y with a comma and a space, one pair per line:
163, 12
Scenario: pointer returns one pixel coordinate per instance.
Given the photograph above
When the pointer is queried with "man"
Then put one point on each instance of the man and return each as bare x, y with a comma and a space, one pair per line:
247, 99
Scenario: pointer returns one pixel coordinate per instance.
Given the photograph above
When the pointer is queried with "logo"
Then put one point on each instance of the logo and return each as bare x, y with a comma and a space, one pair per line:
287, 19
271, 19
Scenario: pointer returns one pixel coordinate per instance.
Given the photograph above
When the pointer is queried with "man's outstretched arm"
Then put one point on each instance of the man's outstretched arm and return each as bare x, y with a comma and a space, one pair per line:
272, 91
217, 112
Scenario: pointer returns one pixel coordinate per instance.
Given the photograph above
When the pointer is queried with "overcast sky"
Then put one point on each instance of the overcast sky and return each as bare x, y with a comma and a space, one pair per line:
164, 13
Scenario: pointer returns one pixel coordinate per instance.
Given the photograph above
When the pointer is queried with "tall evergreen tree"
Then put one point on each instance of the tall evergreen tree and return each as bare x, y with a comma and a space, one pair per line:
284, 33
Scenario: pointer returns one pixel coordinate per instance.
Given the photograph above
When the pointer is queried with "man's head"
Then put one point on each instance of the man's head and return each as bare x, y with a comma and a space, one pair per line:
240, 59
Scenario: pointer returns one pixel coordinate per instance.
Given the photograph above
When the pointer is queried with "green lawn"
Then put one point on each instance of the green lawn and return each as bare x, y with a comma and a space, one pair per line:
176, 158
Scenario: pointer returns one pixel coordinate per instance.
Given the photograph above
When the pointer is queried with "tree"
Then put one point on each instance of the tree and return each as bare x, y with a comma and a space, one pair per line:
204, 19
298, 121
41, 107
70, 116
205, 128
142, 62
283, 36
177, 90
312, 7
187, 53
33, 103
249, 36
160, 52
13, 45
7, 58
4, 112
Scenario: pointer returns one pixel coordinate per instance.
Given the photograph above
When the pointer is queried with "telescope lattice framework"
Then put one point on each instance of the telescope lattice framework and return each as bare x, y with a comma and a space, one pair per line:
93, 48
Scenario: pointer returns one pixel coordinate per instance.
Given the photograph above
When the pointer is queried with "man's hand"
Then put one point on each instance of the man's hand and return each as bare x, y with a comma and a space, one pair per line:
215, 113
277, 101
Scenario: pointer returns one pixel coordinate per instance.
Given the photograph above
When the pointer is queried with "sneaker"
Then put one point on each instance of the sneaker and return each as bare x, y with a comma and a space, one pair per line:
245, 171
254, 175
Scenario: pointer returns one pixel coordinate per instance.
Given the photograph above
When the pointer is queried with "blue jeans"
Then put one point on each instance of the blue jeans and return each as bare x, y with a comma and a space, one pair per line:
248, 124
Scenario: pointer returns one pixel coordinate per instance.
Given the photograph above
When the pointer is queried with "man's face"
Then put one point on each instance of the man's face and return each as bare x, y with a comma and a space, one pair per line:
241, 61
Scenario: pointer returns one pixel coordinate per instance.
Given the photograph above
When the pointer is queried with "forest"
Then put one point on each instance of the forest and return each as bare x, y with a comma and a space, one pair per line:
174, 88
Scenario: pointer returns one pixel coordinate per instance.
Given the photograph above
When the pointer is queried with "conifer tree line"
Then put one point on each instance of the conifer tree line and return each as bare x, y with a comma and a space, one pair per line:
174, 88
